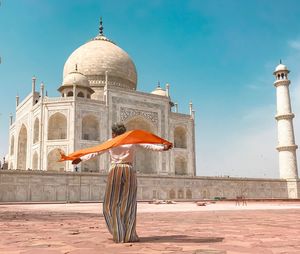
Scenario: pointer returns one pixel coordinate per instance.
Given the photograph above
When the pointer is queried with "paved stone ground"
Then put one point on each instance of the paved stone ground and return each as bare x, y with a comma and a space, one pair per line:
180, 228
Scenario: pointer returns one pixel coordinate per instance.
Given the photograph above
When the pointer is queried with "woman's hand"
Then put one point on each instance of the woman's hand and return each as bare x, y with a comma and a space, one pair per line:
76, 161
167, 146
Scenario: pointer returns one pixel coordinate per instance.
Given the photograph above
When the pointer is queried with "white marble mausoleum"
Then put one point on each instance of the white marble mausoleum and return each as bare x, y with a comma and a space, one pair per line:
99, 88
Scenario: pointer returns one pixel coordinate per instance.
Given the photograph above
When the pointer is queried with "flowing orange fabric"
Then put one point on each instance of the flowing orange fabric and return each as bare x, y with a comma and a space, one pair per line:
129, 137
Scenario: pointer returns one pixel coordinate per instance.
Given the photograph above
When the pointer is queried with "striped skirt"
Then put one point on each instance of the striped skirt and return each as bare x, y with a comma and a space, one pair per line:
119, 206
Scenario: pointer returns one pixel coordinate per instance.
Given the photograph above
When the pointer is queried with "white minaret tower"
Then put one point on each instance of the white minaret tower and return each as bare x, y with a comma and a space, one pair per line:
286, 139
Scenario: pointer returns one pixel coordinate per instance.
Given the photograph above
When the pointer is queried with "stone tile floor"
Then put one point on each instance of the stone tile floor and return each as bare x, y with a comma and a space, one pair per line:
259, 227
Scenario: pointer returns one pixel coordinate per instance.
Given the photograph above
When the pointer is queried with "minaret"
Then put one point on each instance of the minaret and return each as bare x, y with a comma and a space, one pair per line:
286, 139
33, 84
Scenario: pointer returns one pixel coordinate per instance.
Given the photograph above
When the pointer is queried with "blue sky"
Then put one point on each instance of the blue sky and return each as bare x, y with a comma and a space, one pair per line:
219, 54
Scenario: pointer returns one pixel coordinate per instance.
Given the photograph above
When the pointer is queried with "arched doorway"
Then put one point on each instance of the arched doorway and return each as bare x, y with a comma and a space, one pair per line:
57, 127
189, 194
90, 128
172, 194
145, 160
180, 166
52, 161
179, 137
80, 94
22, 148
180, 194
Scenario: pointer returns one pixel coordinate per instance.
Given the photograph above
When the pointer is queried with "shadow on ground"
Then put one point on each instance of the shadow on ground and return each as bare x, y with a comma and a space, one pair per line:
181, 238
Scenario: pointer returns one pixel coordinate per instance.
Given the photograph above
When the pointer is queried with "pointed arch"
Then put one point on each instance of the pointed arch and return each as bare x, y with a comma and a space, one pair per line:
22, 148
36, 130
70, 94
180, 194
57, 126
180, 166
205, 193
80, 94
188, 194
52, 161
145, 160
35, 160
90, 128
172, 194
180, 137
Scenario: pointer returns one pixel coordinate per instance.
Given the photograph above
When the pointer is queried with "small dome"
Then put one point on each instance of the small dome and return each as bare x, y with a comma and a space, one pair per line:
75, 78
159, 91
281, 67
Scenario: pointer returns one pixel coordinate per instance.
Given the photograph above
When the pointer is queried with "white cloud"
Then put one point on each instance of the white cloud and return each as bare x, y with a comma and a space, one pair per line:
294, 44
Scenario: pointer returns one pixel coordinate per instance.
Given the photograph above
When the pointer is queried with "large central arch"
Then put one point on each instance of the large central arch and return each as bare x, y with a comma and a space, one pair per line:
145, 160
22, 148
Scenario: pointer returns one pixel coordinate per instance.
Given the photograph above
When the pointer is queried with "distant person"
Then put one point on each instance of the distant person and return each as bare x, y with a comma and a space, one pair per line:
119, 205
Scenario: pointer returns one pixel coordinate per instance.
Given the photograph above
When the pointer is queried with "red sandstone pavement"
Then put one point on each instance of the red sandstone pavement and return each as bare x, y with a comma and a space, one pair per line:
179, 228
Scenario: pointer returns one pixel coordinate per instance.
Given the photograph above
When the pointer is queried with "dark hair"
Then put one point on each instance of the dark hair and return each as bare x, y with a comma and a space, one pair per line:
118, 128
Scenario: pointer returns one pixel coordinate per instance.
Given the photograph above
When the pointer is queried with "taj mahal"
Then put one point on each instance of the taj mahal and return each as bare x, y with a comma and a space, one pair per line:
99, 88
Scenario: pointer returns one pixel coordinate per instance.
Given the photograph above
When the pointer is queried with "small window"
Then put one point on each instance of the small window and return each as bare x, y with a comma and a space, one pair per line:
80, 94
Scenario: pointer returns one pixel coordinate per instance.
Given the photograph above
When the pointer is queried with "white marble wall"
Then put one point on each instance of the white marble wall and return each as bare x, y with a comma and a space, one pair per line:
121, 105
27, 186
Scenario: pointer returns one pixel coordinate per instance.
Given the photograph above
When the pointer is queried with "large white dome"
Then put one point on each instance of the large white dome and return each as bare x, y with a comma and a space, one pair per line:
99, 55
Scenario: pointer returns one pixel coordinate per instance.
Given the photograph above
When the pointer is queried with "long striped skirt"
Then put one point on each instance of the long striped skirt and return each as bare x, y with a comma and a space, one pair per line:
119, 206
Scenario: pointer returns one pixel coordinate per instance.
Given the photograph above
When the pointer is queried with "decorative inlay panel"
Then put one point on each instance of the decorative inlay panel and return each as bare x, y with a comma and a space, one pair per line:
126, 113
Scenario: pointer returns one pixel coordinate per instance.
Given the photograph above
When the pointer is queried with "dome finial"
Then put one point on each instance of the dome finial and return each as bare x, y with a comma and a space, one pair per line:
280, 61
101, 27
158, 84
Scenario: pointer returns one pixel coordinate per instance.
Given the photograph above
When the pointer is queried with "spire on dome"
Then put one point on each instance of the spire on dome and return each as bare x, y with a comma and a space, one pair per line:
101, 36
101, 27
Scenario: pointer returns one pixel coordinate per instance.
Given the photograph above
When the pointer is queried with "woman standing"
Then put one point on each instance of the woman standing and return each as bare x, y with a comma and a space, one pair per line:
119, 206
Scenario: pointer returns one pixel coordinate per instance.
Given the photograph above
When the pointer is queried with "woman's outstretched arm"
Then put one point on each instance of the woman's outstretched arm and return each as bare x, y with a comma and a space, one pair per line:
86, 157
156, 147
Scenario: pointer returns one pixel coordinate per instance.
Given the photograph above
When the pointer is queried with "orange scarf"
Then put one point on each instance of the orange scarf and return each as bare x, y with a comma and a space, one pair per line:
129, 137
